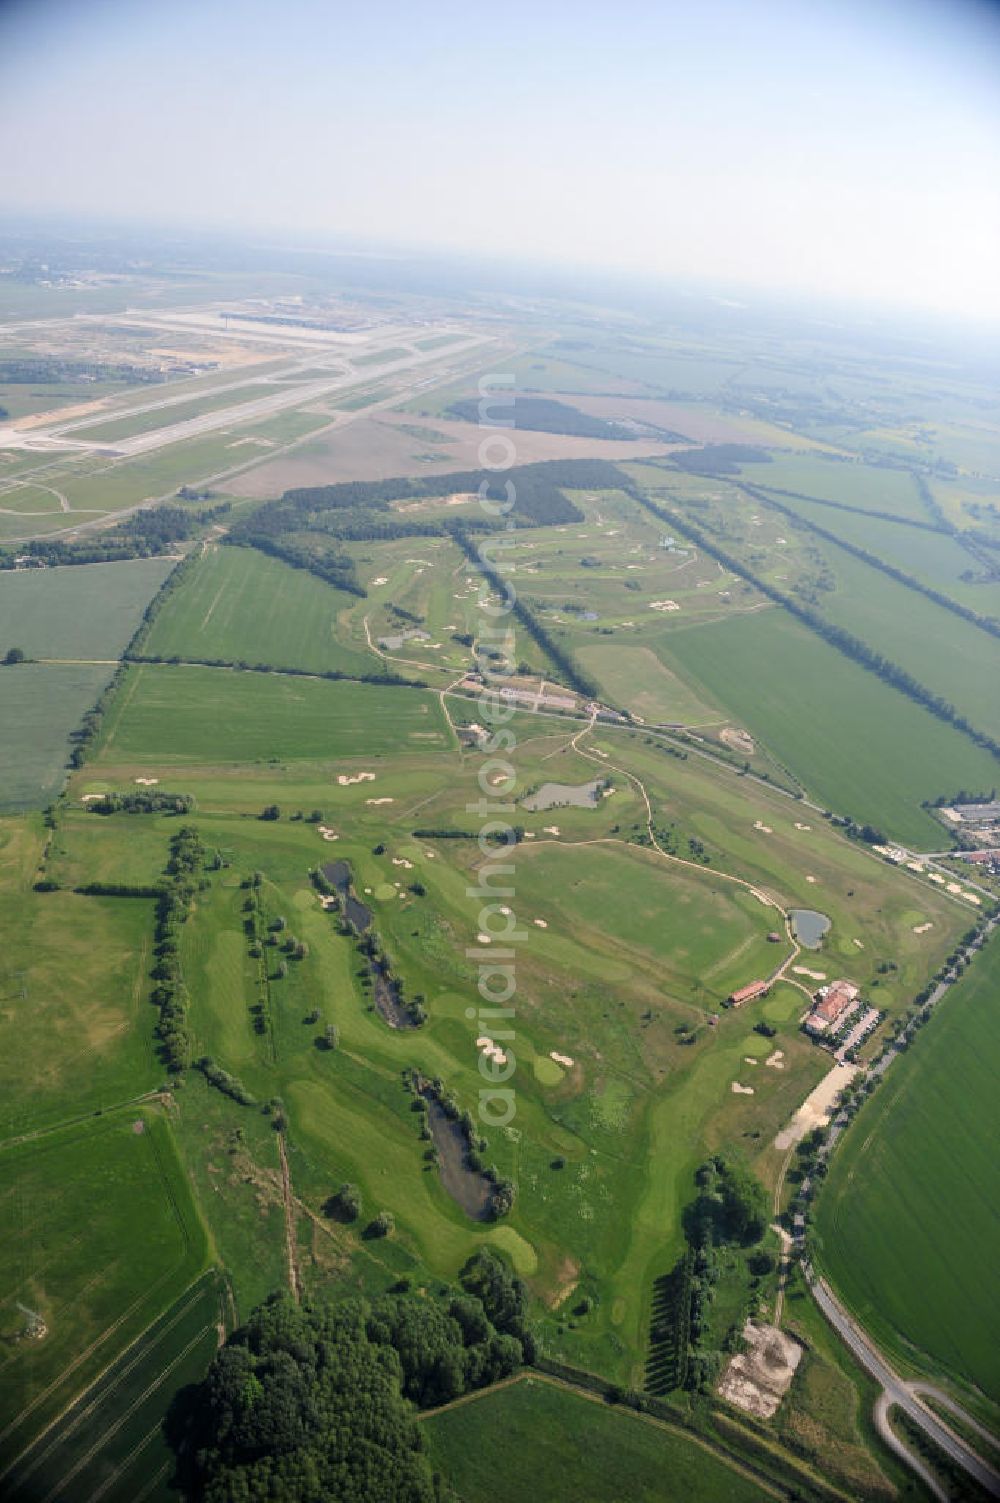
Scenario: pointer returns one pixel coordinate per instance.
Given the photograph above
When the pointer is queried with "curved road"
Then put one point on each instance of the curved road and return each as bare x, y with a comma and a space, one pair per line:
897, 1393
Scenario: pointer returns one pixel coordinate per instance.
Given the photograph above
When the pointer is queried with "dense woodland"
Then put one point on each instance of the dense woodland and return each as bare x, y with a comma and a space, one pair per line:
312, 1402
542, 415
307, 526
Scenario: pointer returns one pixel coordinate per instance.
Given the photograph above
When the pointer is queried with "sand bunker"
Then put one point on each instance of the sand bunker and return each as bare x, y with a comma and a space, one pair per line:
970, 897
491, 1050
382, 579
664, 605
766, 830
922, 928
741, 1090
327, 833
757, 1380
858, 943
803, 970
147, 782
402, 861
817, 1108
935, 876
551, 829
88, 798
800, 826
484, 939
776, 1060
346, 779
373, 802
748, 1059
562, 1059
539, 923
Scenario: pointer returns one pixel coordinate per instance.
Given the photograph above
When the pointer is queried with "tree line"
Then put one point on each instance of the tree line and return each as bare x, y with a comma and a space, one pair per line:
844, 641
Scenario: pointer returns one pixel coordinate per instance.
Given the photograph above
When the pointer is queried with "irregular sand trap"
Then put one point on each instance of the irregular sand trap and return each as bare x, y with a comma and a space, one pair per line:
491, 1050
970, 897
810, 879
540, 923
346, 779
402, 861
816, 1109
748, 1059
382, 579
922, 928
551, 829
776, 1060
375, 801
562, 1059
88, 798
504, 909
953, 887
330, 835
484, 939
803, 970
859, 944
766, 830
147, 782
935, 876
368, 892
915, 866
529, 834
800, 826
664, 605
431, 855
741, 1090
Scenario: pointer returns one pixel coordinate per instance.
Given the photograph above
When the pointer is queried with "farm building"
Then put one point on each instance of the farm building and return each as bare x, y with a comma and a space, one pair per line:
833, 1004
746, 994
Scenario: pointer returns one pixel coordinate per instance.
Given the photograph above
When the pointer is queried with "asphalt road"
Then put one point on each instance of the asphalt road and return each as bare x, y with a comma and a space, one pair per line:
896, 1393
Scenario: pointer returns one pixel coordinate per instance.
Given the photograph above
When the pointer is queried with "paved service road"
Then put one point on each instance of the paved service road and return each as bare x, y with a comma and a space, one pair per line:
897, 1393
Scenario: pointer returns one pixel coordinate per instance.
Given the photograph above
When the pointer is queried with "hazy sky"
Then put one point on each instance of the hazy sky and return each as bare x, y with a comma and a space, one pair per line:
851, 149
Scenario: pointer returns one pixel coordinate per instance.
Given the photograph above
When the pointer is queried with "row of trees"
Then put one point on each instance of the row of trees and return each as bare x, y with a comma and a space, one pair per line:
170, 996
984, 623
566, 665
144, 534
844, 641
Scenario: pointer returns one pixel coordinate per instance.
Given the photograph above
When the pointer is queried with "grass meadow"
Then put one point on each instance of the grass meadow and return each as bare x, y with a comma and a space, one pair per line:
175, 715
907, 1217
536, 1439
103, 1236
857, 745
241, 606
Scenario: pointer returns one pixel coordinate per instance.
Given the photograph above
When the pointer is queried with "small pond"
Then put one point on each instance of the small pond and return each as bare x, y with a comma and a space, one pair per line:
468, 1188
558, 795
387, 999
338, 874
809, 927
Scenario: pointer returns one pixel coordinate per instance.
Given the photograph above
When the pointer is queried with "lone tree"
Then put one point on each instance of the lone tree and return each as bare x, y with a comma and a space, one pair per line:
382, 1224
14, 655
346, 1204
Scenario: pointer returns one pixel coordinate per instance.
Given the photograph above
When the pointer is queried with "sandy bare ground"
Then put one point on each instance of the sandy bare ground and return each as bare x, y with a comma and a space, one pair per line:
758, 1379
817, 1108
375, 448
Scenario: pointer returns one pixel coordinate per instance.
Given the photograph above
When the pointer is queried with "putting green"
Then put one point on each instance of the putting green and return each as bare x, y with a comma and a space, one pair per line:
546, 1070
384, 891
517, 1248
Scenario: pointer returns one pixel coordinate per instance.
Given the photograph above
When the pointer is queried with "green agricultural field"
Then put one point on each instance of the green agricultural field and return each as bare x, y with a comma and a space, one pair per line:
864, 486
536, 1439
42, 703
102, 1237
239, 605
75, 1021
906, 1221
838, 728
85, 612
111, 1439
170, 716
